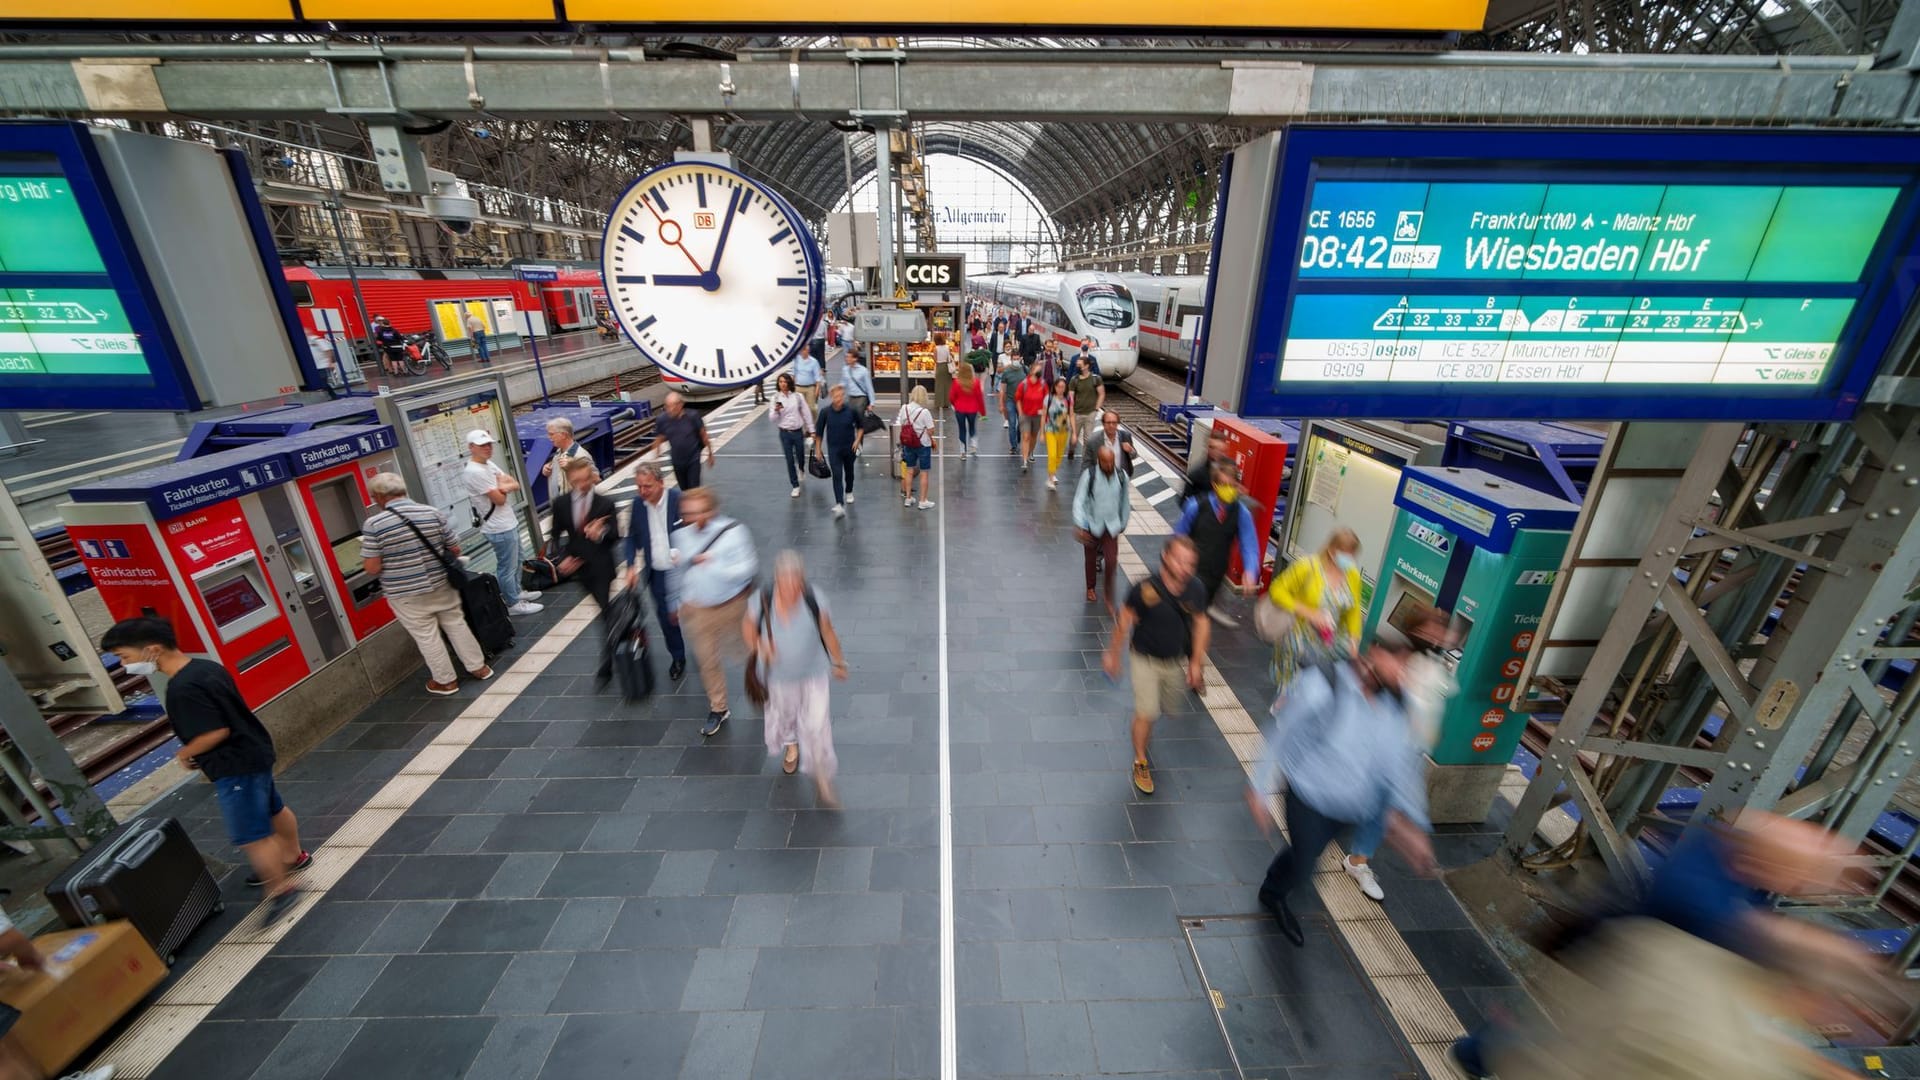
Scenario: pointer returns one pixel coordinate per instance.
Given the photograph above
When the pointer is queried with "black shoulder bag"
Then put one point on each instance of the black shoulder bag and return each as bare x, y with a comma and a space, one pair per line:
456, 574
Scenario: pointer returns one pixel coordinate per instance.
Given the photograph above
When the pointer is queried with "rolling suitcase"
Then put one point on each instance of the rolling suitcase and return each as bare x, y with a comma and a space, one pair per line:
486, 613
148, 872
627, 633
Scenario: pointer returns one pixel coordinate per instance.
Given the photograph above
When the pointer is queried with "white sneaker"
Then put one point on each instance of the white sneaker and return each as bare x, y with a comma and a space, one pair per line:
1214, 614
908, 501
1052, 484
839, 511
926, 504
529, 594
795, 493
526, 607
104, 1072
849, 498
1362, 874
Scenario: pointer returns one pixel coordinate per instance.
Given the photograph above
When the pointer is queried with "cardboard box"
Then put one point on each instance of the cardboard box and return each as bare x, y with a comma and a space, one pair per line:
93, 977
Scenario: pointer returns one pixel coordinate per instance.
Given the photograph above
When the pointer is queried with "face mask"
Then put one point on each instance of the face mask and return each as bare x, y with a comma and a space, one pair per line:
1346, 562
139, 667
1225, 493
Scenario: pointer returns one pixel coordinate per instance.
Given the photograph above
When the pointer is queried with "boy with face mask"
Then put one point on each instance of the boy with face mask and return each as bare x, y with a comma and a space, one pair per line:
222, 739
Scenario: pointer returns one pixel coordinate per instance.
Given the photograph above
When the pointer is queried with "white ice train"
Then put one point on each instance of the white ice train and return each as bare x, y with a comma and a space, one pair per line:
1165, 303
1079, 308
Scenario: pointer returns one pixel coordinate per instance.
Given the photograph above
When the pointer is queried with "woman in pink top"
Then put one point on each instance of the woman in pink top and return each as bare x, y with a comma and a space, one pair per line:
968, 398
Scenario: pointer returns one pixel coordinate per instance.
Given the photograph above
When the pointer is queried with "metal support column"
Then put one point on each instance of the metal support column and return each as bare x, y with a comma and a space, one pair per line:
88, 817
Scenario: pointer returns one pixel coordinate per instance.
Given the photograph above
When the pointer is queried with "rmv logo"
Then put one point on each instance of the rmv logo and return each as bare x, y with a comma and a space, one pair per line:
1431, 537
1537, 577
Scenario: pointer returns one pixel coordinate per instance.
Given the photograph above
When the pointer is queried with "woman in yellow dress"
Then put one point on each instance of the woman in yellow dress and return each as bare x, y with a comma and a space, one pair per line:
1321, 598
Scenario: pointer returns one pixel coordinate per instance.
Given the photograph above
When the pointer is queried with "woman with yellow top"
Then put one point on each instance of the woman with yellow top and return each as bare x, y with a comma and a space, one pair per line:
1321, 597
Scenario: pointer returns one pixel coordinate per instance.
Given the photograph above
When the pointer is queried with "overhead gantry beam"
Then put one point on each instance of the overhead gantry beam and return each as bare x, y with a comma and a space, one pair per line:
299, 82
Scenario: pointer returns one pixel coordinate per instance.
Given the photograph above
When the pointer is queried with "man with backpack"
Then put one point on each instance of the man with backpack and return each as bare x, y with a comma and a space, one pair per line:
1342, 739
401, 544
915, 427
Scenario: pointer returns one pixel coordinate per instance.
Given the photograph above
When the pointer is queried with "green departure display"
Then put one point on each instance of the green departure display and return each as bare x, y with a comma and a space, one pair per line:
1722, 236
50, 328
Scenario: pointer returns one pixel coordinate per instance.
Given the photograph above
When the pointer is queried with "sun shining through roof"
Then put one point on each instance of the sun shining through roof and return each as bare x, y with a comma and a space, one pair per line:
981, 213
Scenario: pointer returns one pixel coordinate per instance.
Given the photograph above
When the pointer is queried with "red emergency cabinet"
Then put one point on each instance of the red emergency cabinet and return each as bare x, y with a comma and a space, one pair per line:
1263, 461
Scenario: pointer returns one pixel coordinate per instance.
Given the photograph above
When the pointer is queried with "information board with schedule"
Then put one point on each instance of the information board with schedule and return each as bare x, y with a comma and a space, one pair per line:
1588, 275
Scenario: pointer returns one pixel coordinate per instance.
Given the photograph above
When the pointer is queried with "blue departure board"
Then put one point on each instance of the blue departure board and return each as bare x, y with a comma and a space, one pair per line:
1442, 273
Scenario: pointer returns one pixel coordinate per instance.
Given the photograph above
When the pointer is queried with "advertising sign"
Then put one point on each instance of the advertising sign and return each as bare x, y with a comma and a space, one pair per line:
927, 270
1583, 274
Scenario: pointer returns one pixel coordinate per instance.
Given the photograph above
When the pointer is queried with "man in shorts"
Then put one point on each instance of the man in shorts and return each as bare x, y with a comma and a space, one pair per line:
222, 739
1165, 621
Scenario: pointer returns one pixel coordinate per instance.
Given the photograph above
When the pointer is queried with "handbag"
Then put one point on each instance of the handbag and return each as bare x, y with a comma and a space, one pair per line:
1271, 622
871, 423
817, 467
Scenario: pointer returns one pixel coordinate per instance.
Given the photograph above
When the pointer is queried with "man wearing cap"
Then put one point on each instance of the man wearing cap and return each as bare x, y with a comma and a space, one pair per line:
487, 489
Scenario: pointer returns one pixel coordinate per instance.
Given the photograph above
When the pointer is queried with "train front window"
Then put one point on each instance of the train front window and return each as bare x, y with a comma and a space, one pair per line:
1106, 307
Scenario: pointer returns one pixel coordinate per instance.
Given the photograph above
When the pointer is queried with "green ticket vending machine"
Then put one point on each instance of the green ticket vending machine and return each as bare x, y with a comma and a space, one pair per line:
1485, 549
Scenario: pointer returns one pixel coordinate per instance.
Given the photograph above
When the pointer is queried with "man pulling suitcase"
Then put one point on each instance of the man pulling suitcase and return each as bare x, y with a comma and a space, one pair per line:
220, 737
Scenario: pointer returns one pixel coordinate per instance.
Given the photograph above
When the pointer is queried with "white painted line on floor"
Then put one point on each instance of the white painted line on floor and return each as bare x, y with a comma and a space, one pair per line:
51, 420
949, 1033
1159, 497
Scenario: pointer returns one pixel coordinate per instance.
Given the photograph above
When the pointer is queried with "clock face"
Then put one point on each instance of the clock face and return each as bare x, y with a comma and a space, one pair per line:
713, 276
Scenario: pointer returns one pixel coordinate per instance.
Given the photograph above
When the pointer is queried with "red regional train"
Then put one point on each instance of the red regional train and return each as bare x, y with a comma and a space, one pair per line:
421, 300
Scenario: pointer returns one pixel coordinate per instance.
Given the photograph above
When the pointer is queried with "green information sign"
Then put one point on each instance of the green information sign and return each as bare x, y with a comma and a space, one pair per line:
41, 228
50, 329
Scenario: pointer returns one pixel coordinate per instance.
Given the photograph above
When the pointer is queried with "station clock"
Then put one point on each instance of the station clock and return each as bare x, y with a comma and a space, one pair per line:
712, 275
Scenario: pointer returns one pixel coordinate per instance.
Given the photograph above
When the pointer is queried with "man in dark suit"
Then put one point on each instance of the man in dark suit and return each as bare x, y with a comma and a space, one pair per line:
586, 533
655, 514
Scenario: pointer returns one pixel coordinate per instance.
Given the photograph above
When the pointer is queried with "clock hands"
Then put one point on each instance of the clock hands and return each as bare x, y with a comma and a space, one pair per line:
671, 280
676, 243
720, 246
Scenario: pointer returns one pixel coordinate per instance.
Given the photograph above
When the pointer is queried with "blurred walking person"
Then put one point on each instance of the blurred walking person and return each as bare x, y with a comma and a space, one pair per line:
1342, 741
967, 395
1220, 523
717, 566
836, 440
1032, 398
586, 535
1102, 505
1164, 627
858, 380
1320, 599
1423, 694
1057, 425
652, 518
683, 433
1089, 394
1010, 377
793, 419
789, 633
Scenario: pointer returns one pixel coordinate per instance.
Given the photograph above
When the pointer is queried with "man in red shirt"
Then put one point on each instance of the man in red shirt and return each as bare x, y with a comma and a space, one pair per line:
1032, 399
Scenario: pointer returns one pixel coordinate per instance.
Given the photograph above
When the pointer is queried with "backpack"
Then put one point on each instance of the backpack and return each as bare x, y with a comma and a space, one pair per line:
909, 436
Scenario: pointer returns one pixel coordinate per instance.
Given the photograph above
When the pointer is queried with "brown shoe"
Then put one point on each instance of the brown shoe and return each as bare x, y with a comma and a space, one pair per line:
483, 672
442, 688
791, 761
1143, 778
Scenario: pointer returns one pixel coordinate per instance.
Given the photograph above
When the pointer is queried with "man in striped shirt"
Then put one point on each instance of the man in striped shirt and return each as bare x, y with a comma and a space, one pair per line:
414, 581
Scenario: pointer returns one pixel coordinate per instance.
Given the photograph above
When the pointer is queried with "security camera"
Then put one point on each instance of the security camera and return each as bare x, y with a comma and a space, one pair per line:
449, 202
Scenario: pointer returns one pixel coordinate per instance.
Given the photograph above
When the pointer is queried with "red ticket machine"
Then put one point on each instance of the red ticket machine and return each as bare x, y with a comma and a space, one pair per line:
1263, 462
238, 551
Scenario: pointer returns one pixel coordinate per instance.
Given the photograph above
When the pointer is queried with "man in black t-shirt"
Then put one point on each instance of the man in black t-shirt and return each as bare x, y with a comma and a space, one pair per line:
685, 436
220, 737
1165, 620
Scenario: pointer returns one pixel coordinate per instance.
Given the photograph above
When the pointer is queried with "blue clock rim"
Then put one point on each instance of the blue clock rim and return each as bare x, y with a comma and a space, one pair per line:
810, 253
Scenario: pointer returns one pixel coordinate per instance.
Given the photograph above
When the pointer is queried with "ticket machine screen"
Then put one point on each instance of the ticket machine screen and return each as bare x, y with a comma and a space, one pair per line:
231, 601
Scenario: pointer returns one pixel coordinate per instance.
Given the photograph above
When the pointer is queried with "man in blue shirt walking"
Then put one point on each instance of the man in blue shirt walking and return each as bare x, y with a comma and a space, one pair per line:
1342, 739
1219, 521
717, 568
837, 434
809, 368
859, 383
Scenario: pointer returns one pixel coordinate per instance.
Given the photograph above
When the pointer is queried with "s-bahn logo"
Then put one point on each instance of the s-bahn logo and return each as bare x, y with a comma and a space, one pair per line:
1429, 536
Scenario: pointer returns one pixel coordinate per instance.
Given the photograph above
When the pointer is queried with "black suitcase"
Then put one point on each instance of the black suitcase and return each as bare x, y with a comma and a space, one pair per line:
627, 628
146, 871
486, 614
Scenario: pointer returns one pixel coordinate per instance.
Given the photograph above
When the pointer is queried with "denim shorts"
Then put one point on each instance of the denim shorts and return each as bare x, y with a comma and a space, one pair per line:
248, 802
917, 457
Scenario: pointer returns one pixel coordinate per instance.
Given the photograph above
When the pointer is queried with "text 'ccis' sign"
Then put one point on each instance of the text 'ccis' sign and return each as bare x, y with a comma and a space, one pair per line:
925, 270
